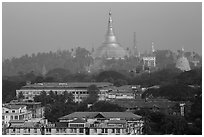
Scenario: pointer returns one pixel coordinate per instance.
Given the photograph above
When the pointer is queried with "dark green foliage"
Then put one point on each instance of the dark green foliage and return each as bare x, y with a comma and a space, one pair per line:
39, 79
159, 123
58, 74
58, 109
175, 92
110, 76
173, 125
191, 77
120, 82
20, 96
104, 106
56, 105
51, 60
93, 94
165, 59
160, 77
9, 90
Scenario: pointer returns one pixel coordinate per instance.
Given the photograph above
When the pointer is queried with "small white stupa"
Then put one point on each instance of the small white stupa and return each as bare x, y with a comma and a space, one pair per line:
182, 62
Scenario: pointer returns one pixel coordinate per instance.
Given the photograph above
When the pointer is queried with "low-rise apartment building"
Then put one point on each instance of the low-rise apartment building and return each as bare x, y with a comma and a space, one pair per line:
84, 123
35, 107
15, 112
78, 89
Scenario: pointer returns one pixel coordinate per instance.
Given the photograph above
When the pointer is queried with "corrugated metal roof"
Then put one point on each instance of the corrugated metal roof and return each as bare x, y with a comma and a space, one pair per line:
78, 120
122, 115
66, 85
116, 121
14, 106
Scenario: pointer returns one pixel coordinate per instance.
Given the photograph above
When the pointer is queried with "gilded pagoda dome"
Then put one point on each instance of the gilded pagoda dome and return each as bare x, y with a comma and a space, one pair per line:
110, 48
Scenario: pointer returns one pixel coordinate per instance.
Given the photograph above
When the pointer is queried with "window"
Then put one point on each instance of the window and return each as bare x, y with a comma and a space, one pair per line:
18, 130
117, 130
71, 130
95, 130
81, 130
57, 130
75, 130
76, 125
25, 130
13, 111
7, 111
11, 117
113, 130
103, 130
16, 117
106, 130
35, 130
14, 130
2, 117
48, 130
64, 130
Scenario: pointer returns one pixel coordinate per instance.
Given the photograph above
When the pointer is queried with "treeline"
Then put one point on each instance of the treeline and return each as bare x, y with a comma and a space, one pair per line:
175, 86
79, 60
172, 81
75, 60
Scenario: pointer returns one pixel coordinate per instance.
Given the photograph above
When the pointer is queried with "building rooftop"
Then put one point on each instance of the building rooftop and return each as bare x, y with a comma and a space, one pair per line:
16, 102
116, 122
25, 125
10, 106
78, 120
66, 85
108, 115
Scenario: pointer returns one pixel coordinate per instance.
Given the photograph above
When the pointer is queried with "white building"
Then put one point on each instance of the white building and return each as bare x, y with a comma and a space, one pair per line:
122, 92
15, 112
78, 89
84, 123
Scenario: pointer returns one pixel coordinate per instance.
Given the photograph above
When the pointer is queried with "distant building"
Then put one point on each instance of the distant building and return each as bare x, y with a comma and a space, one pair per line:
24, 128
149, 60
83, 123
182, 62
15, 113
155, 105
78, 89
122, 92
103, 123
35, 107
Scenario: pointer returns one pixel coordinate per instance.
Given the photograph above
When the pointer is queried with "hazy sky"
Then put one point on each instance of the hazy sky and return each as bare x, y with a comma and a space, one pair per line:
42, 27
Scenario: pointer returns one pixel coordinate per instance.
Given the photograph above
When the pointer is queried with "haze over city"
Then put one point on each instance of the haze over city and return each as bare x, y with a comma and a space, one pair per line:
42, 27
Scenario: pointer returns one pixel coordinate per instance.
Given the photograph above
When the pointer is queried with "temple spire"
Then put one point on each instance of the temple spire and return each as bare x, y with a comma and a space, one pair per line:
153, 50
110, 36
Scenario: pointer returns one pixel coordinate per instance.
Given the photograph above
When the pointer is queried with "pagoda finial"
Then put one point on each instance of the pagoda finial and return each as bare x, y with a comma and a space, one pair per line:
153, 50
110, 37
110, 12
110, 21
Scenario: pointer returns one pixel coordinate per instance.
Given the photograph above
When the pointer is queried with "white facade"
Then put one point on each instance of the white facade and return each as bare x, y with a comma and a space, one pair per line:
20, 113
79, 92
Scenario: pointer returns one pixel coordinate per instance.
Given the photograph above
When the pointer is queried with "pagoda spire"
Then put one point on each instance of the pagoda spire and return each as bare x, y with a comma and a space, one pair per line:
110, 36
